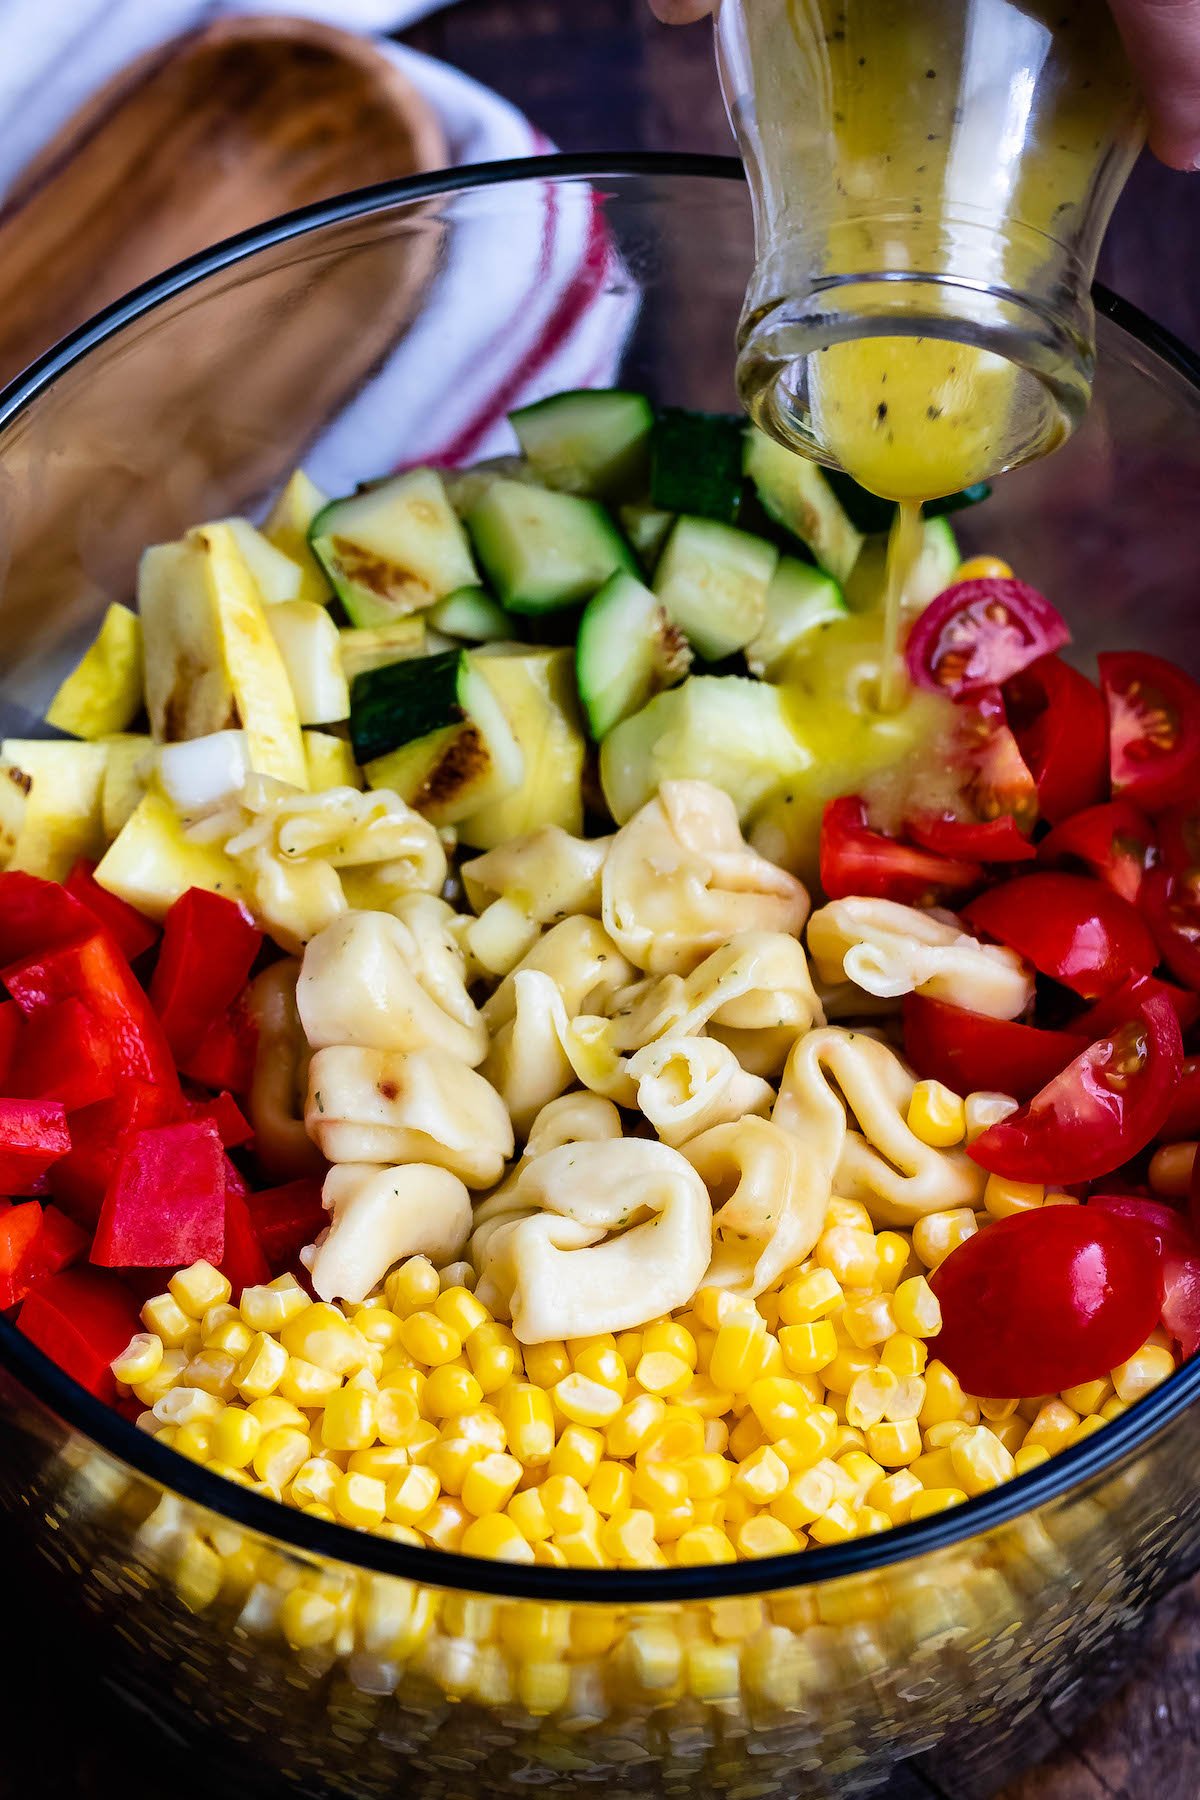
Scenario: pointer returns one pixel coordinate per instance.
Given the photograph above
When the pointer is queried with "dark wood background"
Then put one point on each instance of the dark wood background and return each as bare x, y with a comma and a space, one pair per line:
595, 75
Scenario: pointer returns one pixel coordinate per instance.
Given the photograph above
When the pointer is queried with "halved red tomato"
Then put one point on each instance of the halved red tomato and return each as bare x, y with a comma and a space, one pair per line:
1179, 837
995, 780
1183, 1119
1153, 728
857, 860
1102, 1109
1124, 1001
1115, 842
987, 840
1172, 1235
1171, 904
1045, 1300
968, 1051
1058, 718
1069, 927
1166, 1226
979, 633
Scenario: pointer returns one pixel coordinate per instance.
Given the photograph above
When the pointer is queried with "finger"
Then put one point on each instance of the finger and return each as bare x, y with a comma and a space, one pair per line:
1162, 38
680, 12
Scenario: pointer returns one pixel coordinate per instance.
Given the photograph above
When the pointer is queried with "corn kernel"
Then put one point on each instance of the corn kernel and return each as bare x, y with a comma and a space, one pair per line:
1112, 1409
193, 1439
546, 1364
230, 1335
610, 1489
321, 1335
493, 1364
808, 1348
850, 1362
605, 1364
980, 1461
450, 1390
763, 1476
1053, 1425
348, 1421
916, 1309
411, 1494
543, 1687
1141, 1372
712, 1306
894, 1494
941, 1436
1030, 1456
895, 1256
707, 1476
894, 1443
528, 1514
835, 1526
867, 1400
529, 1423
983, 568
655, 1656
280, 1454
779, 1403
585, 1402
430, 1339
662, 1372
490, 1483
413, 1285
809, 1297
935, 1500
767, 1536
939, 1233
678, 1435
274, 1413
737, 1355
809, 1441
936, 1115
984, 1109
164, 1316
360, 1500
236, 1435
671, 1337
637, 1420
935, 1468
1086, 1428
1002, 1197
270, 1306
140, 1359
581, 1549
578, 1452
199, 1287
703, 1544
848, 1252
746, 1436
869, 1321
446, 1522
1170, 1169
944, 1398
315, 1482
458, 1308
808, 1496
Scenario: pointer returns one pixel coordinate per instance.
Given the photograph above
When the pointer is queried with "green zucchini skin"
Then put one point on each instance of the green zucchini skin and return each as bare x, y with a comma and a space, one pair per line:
543, 550
404, 701
589, 441
696, 463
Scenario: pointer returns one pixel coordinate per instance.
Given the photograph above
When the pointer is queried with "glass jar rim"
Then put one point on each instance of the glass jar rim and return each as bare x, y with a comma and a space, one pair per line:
294, 1531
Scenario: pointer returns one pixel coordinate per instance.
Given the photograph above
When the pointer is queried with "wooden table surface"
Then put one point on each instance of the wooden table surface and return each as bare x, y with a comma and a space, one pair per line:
601, 74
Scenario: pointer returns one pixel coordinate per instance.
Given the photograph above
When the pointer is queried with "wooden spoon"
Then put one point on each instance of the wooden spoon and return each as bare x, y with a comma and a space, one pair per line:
202, 408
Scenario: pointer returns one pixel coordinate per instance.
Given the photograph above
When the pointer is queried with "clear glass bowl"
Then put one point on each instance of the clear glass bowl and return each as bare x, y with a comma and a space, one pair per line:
291, 1654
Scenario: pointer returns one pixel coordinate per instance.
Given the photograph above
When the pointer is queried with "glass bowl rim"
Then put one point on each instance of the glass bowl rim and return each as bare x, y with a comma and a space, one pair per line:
294, 1531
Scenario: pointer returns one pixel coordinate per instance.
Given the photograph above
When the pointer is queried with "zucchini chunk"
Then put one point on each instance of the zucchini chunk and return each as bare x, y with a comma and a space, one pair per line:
795, 493
434, 732
394, 549
696, 463
628, 650
647, 528
594, 441
471, 613
543, 550
374, 646
713, 581
799, 599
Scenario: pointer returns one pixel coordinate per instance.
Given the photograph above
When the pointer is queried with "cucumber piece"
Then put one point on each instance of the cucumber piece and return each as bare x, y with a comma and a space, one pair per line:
795, 493
725, 729
471, 613
647, 528
799, 599
933, 570
452, 748
588, 441
628, 649
543, 550
696, 463
713, 581
394, 549
869, 514
374, 646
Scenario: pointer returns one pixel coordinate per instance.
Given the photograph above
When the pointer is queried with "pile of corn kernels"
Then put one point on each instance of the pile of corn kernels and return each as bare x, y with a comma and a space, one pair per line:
731, 1429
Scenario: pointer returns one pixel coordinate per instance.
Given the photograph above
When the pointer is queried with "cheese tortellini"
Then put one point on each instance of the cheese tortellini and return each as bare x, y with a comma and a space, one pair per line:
889, 950
687, 1084
679, 879
380, 1216
870, 1155
396, 1106
769, 1212
520, 887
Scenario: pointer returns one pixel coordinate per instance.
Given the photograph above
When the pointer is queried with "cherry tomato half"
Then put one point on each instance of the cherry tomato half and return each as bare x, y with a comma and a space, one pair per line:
979, 633
1123, 1003
1045, 1300
857, 860
1058, 718
1102, 1109
1153, 728
1165, 1226
968, 1051
986, 840
1183, 1119
1171, 904
1114, 841
995, 778
1179, 838
1069, 927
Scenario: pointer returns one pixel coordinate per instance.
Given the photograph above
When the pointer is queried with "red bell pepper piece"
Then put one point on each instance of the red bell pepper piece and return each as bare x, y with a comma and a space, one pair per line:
208, 949
98, 1135
133, 931
19, 1226
165, 1204
286, 1218
243, 1264
37, 915
223, 1111
82, 1319
10, 1030
93, 970
66, 1054
33, 1135
224, 1057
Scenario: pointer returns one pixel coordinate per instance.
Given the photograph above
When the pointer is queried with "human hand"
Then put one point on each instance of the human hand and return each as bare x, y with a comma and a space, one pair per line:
1162, 38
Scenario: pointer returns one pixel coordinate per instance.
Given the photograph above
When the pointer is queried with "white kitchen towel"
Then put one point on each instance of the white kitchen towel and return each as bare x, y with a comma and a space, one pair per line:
529, 299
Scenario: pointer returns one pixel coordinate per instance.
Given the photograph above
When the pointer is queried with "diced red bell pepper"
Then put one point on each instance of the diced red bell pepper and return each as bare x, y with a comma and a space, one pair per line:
66, 1054
35, 1242
224, 1057
208, 949
82, 1319
19, 1226
93, 970
33, 1135
243, 1264
165, 1205
286, 1218
133, 931
37, 916
98, 1136
223, 1111
10, 1031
